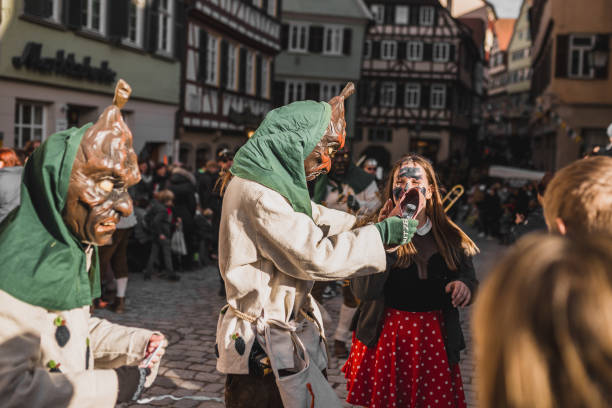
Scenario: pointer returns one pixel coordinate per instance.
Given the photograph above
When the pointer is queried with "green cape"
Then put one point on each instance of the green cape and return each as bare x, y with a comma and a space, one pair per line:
274, 156
43, 264
355, 177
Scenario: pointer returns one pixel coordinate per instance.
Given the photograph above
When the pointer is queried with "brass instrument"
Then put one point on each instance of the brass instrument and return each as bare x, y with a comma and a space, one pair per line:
452, 196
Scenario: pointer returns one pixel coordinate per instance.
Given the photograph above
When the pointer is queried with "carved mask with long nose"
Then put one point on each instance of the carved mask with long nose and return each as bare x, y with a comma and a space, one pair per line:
104, 167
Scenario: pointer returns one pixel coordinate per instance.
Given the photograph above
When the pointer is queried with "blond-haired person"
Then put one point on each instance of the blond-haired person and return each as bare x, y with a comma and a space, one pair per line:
543, 325
578, 200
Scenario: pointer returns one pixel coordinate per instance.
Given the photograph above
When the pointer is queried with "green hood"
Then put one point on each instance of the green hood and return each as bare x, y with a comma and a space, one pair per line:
355, 177
274, 156
43, 264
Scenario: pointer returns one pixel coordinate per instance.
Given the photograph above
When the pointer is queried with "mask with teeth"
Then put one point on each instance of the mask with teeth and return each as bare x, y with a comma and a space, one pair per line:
320, 159
104, 167
411, 200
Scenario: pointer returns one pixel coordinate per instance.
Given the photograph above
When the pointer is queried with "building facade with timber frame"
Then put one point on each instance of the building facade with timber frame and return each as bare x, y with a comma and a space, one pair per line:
421, 86
227, 74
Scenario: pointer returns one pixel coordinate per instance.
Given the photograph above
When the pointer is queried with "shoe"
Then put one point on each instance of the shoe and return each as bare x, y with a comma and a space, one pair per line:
481, 235
118, 305
172, 277
340, 350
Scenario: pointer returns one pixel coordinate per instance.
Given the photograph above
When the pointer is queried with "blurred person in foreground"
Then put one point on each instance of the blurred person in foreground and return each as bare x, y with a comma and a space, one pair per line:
543, 325
578, 200
10, 181
407, 339
274, 242
53, 352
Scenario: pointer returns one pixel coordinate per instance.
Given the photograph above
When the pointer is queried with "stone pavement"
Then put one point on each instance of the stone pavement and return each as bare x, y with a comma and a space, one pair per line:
186, 312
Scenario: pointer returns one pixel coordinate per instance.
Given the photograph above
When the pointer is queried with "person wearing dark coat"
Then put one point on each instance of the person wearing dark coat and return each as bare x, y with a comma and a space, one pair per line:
407, 333
159, 223
183, 184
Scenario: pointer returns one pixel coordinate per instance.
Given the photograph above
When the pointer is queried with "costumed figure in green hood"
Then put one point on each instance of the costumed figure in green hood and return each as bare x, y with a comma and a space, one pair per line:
274, 243
346, 188
53, 353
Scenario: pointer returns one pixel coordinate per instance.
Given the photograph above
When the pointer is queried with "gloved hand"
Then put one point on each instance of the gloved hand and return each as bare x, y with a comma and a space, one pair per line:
131, 381
396, 231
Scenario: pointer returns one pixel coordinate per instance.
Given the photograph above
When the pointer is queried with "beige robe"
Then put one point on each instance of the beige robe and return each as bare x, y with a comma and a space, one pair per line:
28, 343
269, 256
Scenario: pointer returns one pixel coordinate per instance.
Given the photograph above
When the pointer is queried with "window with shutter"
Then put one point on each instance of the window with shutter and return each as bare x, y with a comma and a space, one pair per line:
298, 37
441, 52
43, 9
152, 18
212, 50
250, 71
93, 15
367, 49
387, 94
426, 15
580, 47
202, 54
375, 49
438, 96
278, 93
413, 95
224, 61
389, 14
117, 27
402, 15
401, 50
242, 70
265, 78
294, 91
135, 26
312, 91
258, 68
180, 29
315, 39
332, 40
165, 34
378, 11
346, 41
561, 62
415, 51
284, 37
389, 50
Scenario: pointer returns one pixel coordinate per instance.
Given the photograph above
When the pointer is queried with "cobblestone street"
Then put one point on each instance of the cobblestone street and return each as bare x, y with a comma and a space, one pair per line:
186, 312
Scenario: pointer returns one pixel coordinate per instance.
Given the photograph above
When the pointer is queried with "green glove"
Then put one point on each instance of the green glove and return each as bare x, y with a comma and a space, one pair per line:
396, 231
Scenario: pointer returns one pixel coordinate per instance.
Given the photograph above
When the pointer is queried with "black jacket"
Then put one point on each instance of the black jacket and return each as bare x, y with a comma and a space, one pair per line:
368, 320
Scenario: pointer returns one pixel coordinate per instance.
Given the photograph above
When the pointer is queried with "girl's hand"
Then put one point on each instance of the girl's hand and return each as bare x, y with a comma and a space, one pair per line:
460, 293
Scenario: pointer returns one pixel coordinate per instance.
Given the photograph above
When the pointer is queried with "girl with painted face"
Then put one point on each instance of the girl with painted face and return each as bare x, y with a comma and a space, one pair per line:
407, 335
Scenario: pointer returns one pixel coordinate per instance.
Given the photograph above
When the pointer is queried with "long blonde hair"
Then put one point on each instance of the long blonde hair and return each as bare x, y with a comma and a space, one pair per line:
452, 242
543, 325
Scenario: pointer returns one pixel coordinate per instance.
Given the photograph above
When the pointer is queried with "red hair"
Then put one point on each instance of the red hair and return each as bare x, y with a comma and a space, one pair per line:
9, 158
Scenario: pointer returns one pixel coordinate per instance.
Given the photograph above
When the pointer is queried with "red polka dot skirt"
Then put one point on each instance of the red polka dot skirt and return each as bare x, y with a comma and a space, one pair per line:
407, 368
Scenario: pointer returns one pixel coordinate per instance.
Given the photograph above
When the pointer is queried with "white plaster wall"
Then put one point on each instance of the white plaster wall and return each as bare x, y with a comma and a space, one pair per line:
149, 122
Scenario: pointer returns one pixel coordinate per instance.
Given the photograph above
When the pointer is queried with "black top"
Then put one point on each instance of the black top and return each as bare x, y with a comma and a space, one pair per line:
404, 290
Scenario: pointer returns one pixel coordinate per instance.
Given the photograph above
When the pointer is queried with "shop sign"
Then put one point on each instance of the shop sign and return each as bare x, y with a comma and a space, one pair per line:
65, 65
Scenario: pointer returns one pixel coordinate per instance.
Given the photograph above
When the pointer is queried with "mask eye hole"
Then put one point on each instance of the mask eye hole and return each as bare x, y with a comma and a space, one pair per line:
106, 185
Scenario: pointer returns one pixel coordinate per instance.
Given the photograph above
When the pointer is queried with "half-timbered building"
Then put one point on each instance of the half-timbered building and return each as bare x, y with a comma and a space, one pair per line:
322, 45
421, 83
227, 74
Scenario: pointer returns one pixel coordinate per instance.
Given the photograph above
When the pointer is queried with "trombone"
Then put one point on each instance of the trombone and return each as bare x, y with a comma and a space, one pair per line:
452, 196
